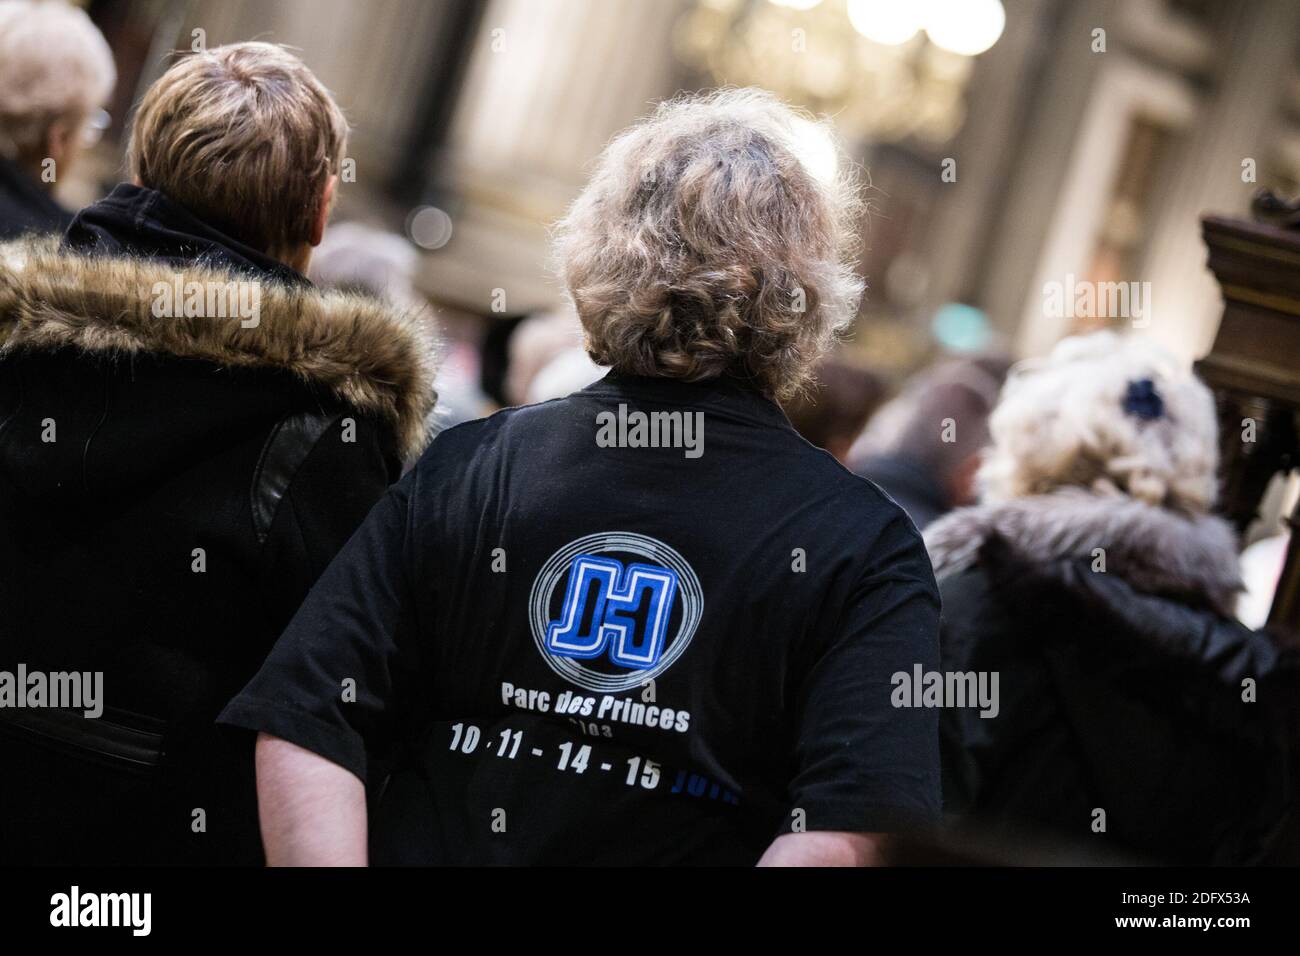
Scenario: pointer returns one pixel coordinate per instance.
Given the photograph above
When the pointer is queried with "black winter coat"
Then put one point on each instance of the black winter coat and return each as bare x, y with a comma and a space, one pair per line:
170, 488
1120, 689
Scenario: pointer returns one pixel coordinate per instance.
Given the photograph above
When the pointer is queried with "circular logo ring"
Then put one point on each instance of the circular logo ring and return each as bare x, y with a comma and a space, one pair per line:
627, 542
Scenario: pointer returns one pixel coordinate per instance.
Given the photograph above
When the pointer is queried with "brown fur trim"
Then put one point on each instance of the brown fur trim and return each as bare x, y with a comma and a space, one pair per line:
1154, 549
379, 360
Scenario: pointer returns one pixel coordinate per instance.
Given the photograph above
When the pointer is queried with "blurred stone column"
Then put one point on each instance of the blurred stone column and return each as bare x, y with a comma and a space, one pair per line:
373, 56
1207, 179
550, 81
984, 150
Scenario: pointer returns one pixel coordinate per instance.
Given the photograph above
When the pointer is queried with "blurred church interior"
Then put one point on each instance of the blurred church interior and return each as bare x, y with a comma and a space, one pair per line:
1056, 151
1008, 144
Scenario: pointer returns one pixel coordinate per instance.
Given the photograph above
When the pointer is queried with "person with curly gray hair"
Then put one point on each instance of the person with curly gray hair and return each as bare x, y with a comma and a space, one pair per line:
704, 248
1138, 719
645, 623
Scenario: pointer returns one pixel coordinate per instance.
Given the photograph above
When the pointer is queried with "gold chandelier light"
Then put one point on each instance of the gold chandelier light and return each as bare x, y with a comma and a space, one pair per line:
887, 70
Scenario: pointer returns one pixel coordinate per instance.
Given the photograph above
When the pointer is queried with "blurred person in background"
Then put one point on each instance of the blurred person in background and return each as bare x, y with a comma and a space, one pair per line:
1136, 716
355, 257
178, 466
570, 371
688, 654
923, 447
547, 358
832, 412
56, 73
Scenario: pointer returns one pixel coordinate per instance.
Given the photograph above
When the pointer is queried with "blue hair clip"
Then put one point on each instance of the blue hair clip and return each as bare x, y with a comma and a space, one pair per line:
1143, 401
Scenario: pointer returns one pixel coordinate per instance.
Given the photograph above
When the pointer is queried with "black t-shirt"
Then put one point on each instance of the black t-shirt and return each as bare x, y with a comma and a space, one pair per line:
647, 623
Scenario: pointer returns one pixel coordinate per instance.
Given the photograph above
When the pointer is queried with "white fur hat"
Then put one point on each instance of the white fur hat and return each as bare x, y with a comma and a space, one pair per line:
1108, 413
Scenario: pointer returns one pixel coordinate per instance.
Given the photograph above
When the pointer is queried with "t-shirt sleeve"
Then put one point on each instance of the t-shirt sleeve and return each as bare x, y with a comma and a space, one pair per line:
862, 764
334, 681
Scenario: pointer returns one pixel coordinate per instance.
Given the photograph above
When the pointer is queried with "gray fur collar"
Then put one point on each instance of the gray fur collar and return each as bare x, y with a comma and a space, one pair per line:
378, 360
1155, 550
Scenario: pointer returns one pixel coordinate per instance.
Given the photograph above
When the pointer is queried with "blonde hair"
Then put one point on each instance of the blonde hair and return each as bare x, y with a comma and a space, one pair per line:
54, 64
710, 241
245, 137
1110, 414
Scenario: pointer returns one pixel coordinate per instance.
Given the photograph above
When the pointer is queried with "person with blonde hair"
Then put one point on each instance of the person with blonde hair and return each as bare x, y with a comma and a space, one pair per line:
1137, 720
647, 622
189, 431
56, 73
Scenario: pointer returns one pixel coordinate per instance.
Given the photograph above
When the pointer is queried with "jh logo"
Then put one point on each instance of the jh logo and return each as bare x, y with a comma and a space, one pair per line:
609, 607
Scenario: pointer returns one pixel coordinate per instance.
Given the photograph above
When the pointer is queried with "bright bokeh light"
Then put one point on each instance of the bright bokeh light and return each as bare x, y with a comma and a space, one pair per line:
968, 27
816, 149
429, 227
961, 328
885, 21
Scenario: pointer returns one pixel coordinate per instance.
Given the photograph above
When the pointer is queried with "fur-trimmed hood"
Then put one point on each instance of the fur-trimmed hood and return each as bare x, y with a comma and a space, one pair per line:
376, 359
1155, 550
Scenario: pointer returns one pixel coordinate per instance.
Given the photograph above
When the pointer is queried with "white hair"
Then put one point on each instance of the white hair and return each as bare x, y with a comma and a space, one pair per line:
563, 375
353, 255
1108, 413
54, 63
536, 343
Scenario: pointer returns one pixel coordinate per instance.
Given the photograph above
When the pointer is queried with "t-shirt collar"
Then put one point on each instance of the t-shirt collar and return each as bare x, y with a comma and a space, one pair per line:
725, 393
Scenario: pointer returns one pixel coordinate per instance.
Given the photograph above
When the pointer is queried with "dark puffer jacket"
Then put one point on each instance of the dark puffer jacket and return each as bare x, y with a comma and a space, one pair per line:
1122, 690
170, 489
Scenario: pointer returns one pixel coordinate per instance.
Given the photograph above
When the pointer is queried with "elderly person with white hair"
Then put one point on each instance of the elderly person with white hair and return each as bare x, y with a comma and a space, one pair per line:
1134, 716
646, 622
56, 72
